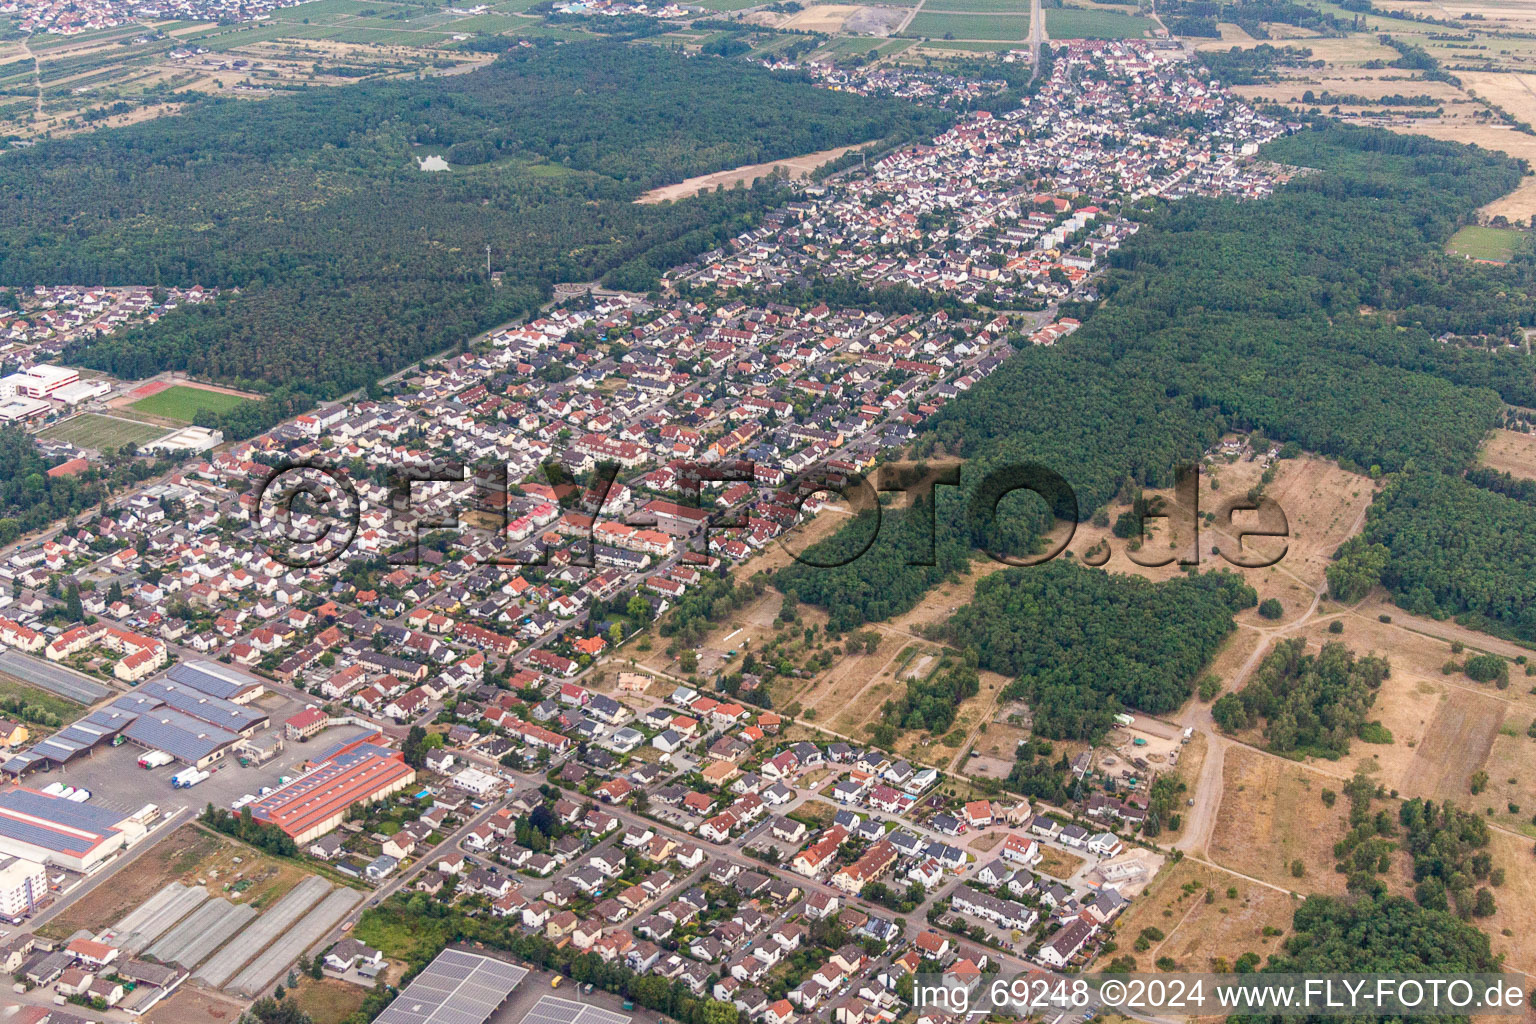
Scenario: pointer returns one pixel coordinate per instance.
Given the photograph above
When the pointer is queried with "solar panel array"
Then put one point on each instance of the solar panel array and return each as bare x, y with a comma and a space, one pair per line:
554, 1010
458, 987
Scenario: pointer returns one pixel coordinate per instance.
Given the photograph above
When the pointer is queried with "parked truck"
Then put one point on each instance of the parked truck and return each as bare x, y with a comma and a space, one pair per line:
155, 759
188, 778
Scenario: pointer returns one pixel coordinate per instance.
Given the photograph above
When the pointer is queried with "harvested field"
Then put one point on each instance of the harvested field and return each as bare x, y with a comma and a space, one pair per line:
1458, 743
822, 17
1203, 936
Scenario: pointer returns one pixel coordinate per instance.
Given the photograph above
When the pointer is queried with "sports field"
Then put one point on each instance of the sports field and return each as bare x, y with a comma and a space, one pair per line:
90, 430
181, 402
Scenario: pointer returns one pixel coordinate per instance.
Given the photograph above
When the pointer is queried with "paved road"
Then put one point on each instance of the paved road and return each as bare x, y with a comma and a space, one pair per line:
1036, 36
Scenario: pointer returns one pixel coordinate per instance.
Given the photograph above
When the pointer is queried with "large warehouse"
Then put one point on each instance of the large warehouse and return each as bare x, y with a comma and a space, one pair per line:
49, 830
317, 801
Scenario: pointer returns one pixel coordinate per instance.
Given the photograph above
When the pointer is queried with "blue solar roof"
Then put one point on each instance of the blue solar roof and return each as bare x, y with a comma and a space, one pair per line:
194, 702
182, 736
213, 679
96, 824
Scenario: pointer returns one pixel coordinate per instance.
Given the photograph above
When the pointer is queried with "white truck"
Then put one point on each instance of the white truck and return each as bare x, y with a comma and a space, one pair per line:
155, 759
188, 778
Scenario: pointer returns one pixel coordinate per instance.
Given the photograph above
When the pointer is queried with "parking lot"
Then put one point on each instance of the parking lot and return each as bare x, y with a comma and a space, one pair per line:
115, 780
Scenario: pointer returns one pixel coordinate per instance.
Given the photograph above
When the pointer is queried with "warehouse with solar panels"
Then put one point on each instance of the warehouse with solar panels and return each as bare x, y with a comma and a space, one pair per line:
459, 987
50, 830
196, 712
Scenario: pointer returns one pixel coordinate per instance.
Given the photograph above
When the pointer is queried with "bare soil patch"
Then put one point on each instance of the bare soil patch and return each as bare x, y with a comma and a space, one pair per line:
1058, 863
169, 860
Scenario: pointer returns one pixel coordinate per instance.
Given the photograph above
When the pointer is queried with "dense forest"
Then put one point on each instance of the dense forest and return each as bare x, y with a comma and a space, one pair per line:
1375, 934
31, 499
350, 261
1309, 703
1457, 549
1084, 644
1309, 315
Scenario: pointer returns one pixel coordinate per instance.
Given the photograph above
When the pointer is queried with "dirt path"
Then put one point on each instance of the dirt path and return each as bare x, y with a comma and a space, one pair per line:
37, 71
916, 9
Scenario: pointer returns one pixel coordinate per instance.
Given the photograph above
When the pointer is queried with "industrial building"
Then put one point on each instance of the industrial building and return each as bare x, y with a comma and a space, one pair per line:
317, 801
217, 681
51, 830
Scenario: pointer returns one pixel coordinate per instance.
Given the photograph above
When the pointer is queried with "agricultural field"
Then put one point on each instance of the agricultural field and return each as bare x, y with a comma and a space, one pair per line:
190, 855
95, 431
172, 859
977, 7
1082, 23
1497, 245
181, 402
979, 27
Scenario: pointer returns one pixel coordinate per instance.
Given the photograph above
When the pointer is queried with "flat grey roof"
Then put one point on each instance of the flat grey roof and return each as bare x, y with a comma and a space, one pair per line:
459, 987
182, 736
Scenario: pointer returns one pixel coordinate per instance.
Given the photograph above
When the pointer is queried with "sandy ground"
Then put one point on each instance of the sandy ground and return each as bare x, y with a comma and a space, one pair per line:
798, 167
822, 17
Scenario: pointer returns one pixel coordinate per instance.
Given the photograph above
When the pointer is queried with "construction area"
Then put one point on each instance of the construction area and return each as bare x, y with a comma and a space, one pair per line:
231, 946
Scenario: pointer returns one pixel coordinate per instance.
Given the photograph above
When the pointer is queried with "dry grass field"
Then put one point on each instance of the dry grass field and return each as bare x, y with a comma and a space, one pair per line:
1510, 928
822, 17
1197, 934
1510, 451
1271, 814
797, 167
